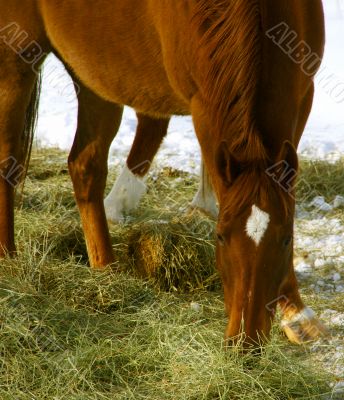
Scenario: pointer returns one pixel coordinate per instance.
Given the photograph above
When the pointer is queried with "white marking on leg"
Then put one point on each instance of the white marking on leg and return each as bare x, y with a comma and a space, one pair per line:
124, 196
205, 199
307, 314
257, 224
206, 202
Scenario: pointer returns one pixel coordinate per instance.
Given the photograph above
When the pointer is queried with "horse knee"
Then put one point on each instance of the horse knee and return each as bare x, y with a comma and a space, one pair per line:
88, 172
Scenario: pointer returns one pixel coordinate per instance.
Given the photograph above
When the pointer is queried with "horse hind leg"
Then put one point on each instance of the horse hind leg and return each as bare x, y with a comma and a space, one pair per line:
205, 199
130, 185
98, 123
17, 84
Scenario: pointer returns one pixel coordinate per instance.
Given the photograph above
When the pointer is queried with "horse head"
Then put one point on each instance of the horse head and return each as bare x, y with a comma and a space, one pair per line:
254, 237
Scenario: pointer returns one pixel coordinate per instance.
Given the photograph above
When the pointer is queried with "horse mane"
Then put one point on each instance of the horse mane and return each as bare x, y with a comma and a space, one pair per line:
255, 186
229, 58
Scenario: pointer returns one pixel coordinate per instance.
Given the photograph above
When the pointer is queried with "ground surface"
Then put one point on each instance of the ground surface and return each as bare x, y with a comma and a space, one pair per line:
68, 333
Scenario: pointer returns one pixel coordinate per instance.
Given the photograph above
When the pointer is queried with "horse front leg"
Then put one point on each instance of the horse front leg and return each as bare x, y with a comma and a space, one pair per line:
299, 322
98, 122
130, 185
17, 82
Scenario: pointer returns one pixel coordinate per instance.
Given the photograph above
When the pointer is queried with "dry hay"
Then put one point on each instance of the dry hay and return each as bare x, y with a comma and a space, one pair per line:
68, 332
178, 254
159, 242
320, 178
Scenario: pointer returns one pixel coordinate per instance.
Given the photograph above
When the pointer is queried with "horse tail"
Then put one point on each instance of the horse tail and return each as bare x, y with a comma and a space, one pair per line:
229, 53
31, 117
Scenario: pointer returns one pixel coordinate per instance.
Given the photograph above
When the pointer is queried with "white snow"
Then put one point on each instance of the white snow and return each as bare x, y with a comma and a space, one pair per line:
303, 267
324, 134
338, 201
321, 240
329, 239
333, 316
336, 277
320, 204
323, 137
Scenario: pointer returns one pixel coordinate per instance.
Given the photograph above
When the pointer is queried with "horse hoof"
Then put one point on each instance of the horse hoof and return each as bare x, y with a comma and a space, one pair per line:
113, 215
304, 327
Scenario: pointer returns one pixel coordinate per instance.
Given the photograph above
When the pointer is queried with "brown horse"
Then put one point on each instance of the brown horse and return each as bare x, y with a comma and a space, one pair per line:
237, 66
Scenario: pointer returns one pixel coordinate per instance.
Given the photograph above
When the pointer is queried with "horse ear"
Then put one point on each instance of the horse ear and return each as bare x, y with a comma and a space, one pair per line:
227, 165
288, 156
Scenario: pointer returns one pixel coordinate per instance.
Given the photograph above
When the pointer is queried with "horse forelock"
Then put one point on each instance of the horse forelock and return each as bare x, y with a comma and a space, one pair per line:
229, 55
254, 187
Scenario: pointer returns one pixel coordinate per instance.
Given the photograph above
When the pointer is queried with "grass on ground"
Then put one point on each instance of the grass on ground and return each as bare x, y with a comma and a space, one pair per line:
69, 333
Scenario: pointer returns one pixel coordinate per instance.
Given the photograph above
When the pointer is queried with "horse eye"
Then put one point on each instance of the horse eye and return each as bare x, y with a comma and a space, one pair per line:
287, 241
220, 239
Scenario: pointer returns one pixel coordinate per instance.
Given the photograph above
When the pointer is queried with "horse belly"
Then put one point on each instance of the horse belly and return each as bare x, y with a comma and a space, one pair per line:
115, 50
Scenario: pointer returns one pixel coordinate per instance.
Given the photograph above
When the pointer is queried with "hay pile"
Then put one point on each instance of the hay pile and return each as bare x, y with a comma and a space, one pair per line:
172, 248
177, 255
165, 242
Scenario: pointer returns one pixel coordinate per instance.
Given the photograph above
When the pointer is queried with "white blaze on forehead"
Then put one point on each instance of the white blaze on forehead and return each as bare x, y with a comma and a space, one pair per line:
257, 224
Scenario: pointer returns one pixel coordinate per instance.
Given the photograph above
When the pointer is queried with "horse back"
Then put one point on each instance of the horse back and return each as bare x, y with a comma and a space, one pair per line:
123, 49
